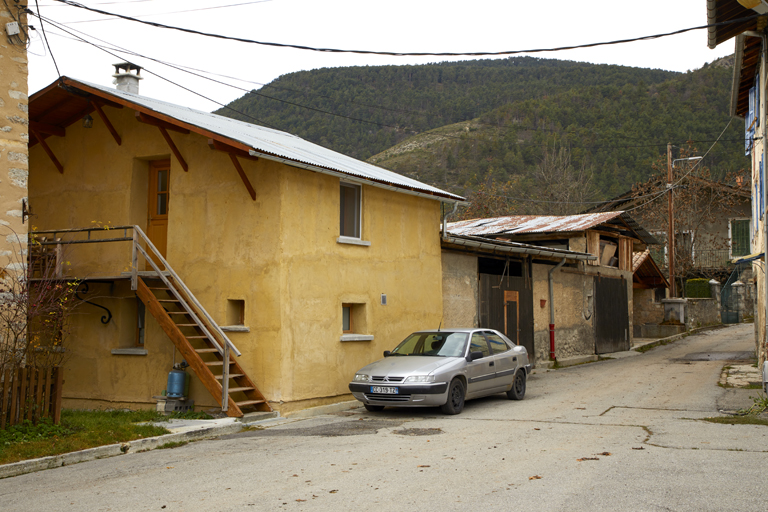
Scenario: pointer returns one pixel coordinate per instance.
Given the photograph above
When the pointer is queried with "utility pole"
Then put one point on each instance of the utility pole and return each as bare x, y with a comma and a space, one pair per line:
671, 229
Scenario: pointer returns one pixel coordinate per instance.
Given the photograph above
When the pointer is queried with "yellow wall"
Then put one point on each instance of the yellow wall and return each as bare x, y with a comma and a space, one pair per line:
279, 254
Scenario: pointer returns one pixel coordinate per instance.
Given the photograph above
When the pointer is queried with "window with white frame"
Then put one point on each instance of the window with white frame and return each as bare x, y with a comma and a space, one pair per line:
350, 210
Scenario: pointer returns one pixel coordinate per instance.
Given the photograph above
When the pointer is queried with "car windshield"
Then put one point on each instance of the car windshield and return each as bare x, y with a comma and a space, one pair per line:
439, 344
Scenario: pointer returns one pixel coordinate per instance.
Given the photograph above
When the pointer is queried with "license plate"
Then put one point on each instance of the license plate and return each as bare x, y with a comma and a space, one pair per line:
384, 390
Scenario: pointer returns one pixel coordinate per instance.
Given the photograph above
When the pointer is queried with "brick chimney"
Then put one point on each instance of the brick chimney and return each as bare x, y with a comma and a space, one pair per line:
125, 80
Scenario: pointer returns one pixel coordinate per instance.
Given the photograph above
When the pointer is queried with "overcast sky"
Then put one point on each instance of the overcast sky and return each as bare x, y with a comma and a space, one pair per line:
394, 25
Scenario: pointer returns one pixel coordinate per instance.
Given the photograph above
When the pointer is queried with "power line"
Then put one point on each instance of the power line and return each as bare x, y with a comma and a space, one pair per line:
396, 128
42, 26
174, 12
406, 54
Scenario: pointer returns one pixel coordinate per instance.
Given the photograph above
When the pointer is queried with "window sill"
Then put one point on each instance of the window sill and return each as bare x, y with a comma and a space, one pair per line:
356, 337
352, 241
129, 351
235, 328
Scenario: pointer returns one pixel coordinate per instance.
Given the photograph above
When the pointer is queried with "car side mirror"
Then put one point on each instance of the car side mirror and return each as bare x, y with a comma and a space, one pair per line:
475, 355
387, 353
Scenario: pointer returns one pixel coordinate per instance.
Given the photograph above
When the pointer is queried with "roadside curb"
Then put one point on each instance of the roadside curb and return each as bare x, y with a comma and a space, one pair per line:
670, 339
113, 450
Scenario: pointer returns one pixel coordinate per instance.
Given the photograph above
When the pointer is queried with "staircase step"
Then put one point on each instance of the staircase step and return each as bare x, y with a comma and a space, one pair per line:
168, 300
196, 337
206, 350
235, 390
156, 288
250, 402
178, 313
186, 325
231, 376
217, 363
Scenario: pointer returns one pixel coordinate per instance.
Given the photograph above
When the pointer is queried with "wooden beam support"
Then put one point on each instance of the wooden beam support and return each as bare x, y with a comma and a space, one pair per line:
221, 146
174, 149
48, 151
48, 129
147, 119
109, 126
243, 177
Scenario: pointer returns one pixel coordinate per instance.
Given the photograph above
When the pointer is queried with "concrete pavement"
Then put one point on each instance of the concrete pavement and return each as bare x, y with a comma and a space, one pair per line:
616, 434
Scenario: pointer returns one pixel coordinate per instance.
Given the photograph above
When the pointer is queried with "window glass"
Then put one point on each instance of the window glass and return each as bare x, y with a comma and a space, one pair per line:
478, 344
739, 237
497, 343
350, 210
346, 315
440, 344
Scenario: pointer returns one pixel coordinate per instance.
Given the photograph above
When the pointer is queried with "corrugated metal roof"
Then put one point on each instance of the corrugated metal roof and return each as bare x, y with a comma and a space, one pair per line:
266, 141
525, 224
519, 224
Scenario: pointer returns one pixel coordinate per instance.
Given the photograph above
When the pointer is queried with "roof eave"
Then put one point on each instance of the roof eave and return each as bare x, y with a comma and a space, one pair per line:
69, 82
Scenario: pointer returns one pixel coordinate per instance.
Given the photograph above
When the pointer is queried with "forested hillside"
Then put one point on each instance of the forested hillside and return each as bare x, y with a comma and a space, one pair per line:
618, 131
391, 103
460, 125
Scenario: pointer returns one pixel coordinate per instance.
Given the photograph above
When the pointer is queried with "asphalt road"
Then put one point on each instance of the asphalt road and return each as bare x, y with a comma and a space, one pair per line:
621, 434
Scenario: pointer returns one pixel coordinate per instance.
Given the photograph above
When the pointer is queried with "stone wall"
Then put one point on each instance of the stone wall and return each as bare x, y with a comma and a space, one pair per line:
14, 135
645, 310
701, 312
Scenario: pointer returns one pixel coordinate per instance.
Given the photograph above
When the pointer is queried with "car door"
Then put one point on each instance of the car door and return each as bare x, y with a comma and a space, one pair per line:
505, 361
480, 372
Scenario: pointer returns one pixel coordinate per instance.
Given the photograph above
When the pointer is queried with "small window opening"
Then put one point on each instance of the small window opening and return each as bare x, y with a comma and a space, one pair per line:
235, 312
346, 318
349, 210
140, 322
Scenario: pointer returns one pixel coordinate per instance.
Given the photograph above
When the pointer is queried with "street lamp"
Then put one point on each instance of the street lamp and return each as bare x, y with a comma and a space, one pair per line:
689, 158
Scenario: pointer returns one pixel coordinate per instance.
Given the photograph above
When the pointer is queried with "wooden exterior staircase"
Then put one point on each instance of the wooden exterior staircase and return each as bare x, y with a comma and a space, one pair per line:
198, 338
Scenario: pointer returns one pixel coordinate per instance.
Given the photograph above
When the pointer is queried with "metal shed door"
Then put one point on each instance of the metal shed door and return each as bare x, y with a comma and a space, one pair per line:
611, 315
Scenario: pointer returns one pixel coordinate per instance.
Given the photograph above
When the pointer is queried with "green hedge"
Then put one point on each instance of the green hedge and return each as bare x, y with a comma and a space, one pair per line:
697, 289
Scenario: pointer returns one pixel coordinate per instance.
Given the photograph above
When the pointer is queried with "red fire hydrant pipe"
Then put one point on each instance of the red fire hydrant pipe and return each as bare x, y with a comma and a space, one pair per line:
552, 312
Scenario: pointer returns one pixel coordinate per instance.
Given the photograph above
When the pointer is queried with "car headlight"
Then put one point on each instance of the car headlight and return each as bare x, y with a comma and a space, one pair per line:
420, 378
360, 377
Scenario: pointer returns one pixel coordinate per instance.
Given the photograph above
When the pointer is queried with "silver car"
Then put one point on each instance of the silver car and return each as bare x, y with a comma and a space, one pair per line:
444, 368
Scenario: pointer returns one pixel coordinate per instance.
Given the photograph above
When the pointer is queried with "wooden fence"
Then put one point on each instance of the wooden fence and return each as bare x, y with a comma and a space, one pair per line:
30, 394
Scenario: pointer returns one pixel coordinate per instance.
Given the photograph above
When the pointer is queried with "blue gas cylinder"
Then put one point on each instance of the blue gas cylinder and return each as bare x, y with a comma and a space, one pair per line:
176, 383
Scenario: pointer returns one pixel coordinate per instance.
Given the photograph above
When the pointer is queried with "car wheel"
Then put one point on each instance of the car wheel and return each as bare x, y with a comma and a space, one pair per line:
518, 386
455, 403
373, 408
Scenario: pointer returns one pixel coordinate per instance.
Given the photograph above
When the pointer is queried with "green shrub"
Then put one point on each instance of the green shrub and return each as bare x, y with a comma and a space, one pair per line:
697, 289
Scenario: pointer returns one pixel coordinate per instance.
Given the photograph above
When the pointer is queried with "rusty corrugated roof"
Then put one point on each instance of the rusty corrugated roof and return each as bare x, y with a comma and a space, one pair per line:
526, 224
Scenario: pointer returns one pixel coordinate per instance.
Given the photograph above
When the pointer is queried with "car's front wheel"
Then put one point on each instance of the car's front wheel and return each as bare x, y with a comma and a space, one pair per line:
518, 386
455, 403
373, 408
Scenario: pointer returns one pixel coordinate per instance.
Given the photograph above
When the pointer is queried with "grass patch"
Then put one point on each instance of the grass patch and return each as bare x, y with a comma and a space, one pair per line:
175, 444
78, 430
738, 420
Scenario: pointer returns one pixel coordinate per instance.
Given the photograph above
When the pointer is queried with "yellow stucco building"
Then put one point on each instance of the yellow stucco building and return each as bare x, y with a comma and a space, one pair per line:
309, 262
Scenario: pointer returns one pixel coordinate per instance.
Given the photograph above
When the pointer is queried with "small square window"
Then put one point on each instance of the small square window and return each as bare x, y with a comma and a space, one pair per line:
349, 210
346, 318
235, 312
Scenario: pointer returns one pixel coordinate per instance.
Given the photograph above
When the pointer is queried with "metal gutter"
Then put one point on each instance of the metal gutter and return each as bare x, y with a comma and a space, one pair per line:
515, 248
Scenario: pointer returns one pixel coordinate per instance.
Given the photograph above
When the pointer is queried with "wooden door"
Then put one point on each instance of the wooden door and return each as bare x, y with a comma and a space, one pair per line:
158, 202
611, 315
512, 316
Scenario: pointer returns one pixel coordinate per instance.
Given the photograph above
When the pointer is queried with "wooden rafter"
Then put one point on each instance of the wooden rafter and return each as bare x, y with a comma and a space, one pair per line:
174, 149
147, 119
48, 151
106, 121
243, 177
227, 148
48, 129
